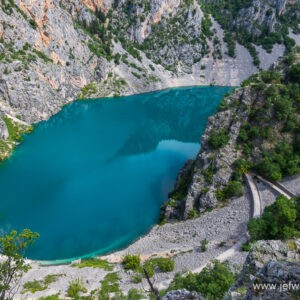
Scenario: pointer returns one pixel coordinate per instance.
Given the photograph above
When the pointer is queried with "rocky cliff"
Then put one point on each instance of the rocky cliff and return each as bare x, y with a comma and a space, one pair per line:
273, 265
255, 129
52, 52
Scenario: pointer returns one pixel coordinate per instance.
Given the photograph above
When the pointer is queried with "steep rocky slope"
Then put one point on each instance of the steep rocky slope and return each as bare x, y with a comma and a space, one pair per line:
52, 52
276, 263
256, 128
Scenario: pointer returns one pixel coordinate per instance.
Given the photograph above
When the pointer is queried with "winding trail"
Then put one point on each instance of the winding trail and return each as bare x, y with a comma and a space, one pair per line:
276, 186
256, 213
256, 201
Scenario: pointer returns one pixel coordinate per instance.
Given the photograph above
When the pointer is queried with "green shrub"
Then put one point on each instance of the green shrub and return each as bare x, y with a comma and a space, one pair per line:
164, 264
218, 138
136, 278
134, 294
33, 286
233, 189
281, 220
293, 74
131, 262
212, 282
246, 247
94, 263
203, 245
51, 297
75, 287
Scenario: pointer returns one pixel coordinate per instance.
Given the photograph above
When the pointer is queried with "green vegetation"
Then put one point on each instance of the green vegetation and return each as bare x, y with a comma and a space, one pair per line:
281, 220
218, 138
181, 191
52, 297
226, 11
162, 264
131, 262
88, 90
42, 56
203, 245
109, 285
169, 32
15, 130
270, 138
101, 38
76, 287
40, 285
9, 5
94, 263
212, 282
134, 294
13, 245
34, 286
233, 189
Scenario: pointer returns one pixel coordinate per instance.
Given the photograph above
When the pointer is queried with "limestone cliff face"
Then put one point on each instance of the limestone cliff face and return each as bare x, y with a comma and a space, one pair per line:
51, 49
103, 5
213, 168
45, 59
269, 262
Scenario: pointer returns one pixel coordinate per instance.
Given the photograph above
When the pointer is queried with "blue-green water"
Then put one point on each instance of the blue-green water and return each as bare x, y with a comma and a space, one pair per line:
93, 177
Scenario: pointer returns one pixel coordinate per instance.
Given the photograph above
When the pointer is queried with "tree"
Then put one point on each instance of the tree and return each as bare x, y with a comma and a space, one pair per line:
218, 138
212, 282
13, 265
279, 221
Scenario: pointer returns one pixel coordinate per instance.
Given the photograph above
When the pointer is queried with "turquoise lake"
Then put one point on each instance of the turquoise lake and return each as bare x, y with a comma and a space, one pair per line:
92, 178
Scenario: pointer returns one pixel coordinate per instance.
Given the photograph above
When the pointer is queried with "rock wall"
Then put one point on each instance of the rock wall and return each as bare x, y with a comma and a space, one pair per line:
269, 262
47, 58
47, 51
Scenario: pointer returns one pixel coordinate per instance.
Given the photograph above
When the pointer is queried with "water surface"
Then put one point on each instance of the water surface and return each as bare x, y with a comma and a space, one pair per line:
93, 177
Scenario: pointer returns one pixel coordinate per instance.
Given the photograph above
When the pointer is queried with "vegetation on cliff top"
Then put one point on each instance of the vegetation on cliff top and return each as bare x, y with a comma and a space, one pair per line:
281, 220
270, 139
255, 33
212, 282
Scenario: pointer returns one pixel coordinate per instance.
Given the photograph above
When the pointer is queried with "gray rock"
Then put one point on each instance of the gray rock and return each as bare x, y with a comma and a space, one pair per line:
270, 262
3, 130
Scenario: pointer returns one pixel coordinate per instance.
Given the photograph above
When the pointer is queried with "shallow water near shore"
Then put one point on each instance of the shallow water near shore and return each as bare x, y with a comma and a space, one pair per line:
92, 178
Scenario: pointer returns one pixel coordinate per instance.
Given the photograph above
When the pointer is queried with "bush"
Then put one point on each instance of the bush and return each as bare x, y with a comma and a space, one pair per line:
76, 287
131, 262
293, 74
212, 282
94, 263
233, 189
134, 294
218, 138
164, 264
136, 278
281, 220
203, 245
109, 284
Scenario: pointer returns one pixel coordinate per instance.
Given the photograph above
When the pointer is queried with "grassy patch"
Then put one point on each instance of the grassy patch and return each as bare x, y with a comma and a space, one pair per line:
131, 262
51, 297
40, 285
94, 263
88, 90
15, 130
75, 288
163, 264
110, 284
